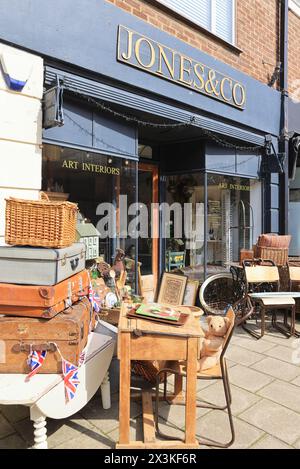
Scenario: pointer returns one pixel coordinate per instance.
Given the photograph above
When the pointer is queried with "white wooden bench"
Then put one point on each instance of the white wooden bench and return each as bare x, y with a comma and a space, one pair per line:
45, 393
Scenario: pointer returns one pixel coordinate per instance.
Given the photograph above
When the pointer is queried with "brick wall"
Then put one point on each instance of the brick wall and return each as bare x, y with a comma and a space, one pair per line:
257, 34
294, 56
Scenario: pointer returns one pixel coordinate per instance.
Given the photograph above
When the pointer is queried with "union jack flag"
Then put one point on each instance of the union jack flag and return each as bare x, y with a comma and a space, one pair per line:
94, 299
71, 380
81, 358
35, 361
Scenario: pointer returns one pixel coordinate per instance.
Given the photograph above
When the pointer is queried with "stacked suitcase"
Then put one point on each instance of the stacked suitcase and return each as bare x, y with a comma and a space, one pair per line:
44, 305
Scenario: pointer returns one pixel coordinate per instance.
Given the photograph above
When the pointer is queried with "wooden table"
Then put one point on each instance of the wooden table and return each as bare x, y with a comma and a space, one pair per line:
141, 339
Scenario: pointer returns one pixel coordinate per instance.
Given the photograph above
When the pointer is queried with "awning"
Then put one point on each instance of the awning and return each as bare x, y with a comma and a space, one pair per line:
127, 99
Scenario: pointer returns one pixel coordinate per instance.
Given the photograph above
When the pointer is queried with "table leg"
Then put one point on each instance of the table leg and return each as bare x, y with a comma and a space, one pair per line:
40, 431
191, 391
124, 399
105, 392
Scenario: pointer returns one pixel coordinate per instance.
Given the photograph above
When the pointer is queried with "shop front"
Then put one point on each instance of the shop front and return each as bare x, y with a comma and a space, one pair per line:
206, 128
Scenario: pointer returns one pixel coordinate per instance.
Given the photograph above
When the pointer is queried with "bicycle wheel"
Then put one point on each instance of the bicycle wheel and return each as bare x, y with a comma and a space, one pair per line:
217, 292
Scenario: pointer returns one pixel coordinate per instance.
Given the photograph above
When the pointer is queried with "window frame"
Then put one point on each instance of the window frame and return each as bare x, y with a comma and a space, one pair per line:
294, 6
212, 29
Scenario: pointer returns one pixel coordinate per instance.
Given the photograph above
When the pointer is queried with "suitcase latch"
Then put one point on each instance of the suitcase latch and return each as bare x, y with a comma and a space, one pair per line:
68, 300
48, 347
64, 260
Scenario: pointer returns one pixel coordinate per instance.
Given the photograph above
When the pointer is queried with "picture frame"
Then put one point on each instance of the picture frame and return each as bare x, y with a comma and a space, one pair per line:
172, 289
190, 294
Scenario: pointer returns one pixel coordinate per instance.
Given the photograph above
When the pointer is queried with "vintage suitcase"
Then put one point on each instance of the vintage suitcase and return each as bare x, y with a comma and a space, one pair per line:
40, 266
68, 331
42, 301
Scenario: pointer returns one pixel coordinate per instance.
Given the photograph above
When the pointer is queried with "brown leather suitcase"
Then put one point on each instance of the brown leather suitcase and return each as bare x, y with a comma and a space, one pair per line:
42, 301
68, 331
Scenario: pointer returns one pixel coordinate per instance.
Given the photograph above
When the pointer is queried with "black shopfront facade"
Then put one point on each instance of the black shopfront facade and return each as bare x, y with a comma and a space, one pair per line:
149, 117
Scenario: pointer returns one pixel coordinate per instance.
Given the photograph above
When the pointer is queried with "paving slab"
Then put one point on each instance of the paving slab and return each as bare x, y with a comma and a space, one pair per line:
241, 399
5, 427
277, 369
107, 420
175, 414
58, 431
278, 338
242, 356
296, 381
13, 442
274, 419
248, 379
14, 413
283, 393
297, 444
286, 354
135, 431
249, 343
269, 442
215, 426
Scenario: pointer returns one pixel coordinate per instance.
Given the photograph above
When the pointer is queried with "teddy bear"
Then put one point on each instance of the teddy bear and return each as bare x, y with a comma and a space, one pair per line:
212, 344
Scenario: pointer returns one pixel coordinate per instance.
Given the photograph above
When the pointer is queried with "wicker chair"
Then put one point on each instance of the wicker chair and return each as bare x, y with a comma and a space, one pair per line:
218, 372
274, 247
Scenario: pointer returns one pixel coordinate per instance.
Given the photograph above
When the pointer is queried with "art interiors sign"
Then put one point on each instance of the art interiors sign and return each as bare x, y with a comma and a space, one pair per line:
139, 51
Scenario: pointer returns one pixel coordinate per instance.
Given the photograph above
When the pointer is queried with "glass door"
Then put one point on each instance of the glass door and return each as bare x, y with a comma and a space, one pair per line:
149, 240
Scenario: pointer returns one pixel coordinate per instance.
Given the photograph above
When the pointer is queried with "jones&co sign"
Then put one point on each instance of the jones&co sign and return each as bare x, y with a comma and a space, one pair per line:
139, 51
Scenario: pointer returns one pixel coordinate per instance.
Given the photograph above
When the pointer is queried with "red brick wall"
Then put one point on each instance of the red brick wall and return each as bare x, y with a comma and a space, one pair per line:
294, 56
257, 34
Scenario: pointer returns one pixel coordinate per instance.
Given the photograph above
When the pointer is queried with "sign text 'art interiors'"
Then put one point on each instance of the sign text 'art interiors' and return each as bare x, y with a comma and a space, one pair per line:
139, 51
90, 167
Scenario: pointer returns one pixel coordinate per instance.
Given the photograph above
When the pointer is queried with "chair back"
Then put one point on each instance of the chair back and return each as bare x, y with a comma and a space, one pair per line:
294, 277
262, 274
294, 274
231, 316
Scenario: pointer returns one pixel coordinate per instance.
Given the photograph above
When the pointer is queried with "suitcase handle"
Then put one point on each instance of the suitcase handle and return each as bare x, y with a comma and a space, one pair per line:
48, 347
74, 263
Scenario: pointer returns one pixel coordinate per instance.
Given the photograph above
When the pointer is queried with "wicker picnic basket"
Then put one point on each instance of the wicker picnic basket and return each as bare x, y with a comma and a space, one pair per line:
43, 223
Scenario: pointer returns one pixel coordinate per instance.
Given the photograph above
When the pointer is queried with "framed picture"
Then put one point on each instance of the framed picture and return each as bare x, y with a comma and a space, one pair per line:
172, 289
191, 291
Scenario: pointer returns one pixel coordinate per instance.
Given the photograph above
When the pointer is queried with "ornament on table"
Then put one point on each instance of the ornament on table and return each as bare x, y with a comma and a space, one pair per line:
118, 265
103, 269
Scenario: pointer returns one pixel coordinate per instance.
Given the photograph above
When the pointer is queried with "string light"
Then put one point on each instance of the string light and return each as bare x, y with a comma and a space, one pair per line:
190, 123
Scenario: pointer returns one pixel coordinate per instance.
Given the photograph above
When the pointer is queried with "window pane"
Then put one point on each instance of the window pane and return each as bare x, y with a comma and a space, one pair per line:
90, 179
233, 217
224, 19
198, 11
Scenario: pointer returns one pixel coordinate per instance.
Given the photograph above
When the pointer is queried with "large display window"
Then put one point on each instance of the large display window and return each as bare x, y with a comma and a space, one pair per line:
91, 179
220, 215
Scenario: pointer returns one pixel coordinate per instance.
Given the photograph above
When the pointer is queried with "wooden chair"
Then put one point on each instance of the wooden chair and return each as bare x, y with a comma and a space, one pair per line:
263, 276
218, 372
294, 284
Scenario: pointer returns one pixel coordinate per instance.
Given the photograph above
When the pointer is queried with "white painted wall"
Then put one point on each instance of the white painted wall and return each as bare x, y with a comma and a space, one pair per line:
20, 133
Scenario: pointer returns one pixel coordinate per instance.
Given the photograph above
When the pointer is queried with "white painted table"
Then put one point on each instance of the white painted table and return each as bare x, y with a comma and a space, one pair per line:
45, 393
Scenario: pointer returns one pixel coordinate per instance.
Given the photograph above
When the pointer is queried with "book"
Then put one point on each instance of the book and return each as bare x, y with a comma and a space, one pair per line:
155, 310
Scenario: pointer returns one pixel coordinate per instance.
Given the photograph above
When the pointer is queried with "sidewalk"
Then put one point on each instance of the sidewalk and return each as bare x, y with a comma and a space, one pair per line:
266, 405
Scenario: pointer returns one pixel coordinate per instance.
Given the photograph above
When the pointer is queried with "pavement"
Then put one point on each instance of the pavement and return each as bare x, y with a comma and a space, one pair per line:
265, 384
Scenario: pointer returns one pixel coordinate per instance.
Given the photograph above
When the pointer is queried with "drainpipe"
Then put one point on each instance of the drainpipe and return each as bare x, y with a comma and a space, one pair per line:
284, 139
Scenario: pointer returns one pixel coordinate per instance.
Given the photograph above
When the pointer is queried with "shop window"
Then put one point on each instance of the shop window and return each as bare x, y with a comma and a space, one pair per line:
233, 219
90, 179
217, 16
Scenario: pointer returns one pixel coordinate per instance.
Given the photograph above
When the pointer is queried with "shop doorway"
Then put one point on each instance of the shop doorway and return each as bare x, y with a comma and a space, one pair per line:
148, 247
